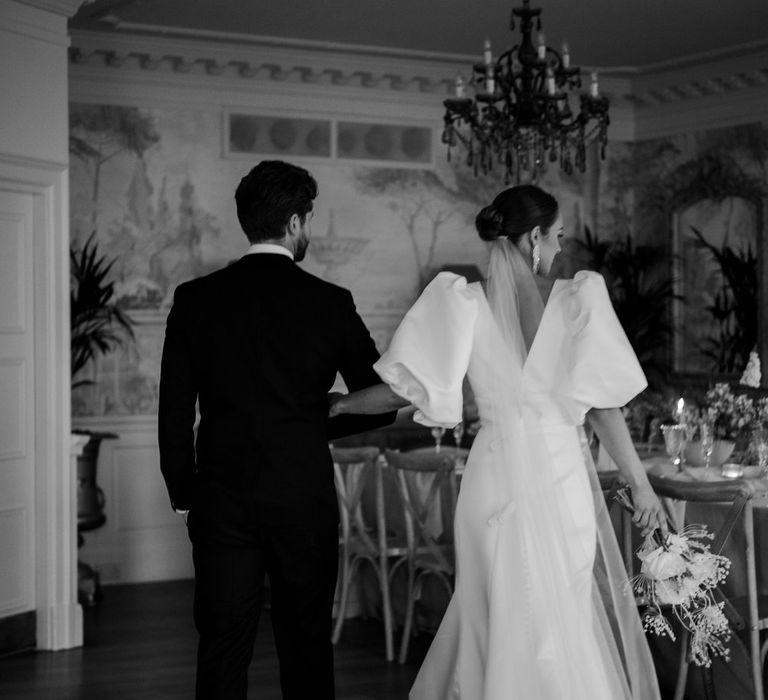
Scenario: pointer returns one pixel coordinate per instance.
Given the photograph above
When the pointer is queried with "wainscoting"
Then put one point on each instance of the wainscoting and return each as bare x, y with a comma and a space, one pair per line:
143, 539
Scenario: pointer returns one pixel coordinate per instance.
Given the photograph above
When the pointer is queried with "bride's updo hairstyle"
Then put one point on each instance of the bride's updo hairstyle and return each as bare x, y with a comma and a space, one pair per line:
515, 211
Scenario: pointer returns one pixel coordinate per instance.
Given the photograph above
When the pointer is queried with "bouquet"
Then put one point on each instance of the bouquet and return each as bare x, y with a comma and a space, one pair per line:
679, 574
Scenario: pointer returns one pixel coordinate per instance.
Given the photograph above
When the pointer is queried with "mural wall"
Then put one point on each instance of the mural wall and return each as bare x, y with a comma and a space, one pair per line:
702, 196
157, 186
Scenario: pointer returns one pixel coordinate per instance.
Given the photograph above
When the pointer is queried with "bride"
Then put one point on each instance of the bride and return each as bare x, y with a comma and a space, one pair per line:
540, 611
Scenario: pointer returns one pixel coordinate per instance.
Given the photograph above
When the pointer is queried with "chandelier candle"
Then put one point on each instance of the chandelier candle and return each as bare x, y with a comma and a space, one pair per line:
521, 116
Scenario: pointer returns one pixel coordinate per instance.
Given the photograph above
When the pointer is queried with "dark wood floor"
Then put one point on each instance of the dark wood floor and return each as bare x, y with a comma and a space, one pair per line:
140, 645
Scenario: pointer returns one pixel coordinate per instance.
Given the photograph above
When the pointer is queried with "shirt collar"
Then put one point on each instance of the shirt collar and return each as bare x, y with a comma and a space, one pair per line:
269, 248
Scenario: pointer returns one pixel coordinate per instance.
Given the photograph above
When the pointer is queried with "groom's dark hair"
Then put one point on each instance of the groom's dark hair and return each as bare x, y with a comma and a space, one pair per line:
269, 195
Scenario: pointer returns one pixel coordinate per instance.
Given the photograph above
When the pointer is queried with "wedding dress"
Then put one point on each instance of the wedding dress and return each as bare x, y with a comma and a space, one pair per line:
540, 610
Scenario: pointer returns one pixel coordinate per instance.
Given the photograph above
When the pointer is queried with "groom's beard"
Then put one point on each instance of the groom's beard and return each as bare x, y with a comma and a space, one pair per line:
301, 248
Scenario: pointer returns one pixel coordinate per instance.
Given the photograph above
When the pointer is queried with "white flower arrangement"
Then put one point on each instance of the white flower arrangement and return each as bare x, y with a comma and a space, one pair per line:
679, 573
752, 374
729, 413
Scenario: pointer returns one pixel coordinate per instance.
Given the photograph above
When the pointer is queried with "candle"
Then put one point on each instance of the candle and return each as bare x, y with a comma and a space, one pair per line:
487, 55
731, 470
593, 91
550, 82
542, 46
680, 404
490, 84
459, 86
566, 56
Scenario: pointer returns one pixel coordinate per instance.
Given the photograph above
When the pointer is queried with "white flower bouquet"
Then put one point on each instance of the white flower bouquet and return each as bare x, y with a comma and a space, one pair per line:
679, 574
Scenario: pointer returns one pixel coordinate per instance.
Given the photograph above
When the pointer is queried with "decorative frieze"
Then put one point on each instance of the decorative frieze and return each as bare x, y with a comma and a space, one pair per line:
265, 63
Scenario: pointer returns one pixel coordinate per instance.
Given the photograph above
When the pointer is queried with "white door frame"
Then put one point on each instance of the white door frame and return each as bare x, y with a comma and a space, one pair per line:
59, 616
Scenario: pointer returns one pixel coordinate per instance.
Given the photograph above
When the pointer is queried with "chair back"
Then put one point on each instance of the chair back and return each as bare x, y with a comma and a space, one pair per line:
357, 475
427, 487
738, 493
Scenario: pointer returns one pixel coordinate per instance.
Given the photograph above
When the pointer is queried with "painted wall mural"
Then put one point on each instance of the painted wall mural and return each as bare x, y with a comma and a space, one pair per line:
702, 195
157, 186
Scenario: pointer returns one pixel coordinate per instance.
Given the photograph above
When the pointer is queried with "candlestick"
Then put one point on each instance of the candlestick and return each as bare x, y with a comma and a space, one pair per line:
542, 48
459, 86
487, 55
593, 90
566, 56
550, 82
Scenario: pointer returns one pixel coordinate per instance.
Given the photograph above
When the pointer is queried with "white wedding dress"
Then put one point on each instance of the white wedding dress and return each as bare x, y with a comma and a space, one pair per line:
539, 610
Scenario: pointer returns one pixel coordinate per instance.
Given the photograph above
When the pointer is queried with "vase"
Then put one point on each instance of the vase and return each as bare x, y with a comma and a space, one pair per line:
721, 451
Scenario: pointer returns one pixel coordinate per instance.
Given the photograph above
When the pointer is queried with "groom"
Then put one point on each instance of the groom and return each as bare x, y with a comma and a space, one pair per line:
257, 346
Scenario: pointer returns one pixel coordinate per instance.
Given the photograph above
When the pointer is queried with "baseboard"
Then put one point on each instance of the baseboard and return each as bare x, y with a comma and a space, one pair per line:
17, 633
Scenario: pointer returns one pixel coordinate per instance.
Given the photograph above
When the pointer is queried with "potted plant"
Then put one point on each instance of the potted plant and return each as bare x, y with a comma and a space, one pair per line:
98, 326
640, 292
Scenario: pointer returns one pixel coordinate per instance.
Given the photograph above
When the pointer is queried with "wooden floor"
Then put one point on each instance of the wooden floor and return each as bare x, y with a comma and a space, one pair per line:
140, 645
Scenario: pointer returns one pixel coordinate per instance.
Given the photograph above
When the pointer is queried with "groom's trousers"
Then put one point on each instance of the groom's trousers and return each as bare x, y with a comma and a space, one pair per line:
235, 545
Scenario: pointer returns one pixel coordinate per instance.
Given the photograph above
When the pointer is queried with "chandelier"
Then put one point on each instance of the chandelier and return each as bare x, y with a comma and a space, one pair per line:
521, 115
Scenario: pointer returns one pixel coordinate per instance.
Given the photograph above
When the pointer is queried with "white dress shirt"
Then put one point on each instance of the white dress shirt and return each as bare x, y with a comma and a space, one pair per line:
269, 248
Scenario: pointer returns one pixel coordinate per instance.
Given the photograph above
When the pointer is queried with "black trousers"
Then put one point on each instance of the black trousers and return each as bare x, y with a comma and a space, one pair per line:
234, 548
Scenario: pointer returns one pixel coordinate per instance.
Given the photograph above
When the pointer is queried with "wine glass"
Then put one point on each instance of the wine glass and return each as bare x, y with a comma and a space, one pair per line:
674, 442
437, 432
458, 434
761, 448
706, 433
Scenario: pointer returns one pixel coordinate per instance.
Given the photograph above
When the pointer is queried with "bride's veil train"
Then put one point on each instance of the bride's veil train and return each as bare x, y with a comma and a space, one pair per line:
590, 620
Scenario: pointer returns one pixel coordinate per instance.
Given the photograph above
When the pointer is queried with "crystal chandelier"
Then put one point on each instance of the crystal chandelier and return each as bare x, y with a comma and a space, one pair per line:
521, 116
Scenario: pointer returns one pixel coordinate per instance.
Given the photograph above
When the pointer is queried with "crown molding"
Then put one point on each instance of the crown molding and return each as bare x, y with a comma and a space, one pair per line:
264, 61
738, 70
233, 58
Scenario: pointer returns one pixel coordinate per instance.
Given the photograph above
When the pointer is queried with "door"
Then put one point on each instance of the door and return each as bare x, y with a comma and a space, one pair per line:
17, 459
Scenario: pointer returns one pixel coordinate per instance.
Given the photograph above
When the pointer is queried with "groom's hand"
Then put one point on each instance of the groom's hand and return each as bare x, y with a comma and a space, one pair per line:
334, 404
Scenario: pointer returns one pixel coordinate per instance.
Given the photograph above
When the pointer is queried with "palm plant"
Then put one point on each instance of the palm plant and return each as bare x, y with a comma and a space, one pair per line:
733, 307
98, 325
640, 291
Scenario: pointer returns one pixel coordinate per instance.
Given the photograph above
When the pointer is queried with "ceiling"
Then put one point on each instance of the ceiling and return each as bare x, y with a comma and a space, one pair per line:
601, 33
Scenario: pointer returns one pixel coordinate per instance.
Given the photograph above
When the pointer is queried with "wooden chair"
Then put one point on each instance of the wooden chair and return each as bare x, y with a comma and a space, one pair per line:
610, 483
428, 553
739, 494
362, 535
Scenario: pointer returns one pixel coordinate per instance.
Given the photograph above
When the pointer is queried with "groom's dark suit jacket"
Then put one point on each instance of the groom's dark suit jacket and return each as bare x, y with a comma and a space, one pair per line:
259, 344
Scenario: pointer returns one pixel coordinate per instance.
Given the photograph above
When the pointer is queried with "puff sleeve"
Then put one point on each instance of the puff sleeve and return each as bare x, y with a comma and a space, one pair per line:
430, 350
603, 371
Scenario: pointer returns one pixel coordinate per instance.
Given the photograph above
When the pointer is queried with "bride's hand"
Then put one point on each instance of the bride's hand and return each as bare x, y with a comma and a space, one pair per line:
649, 513
335, 404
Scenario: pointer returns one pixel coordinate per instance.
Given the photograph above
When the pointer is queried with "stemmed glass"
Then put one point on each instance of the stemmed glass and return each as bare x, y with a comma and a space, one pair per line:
761, 448
437, 432
706, 434
458, 434
674, 441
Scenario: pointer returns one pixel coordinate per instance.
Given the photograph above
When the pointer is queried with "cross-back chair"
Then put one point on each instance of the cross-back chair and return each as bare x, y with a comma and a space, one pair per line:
740, 495
362, 534
610, 483
427, 487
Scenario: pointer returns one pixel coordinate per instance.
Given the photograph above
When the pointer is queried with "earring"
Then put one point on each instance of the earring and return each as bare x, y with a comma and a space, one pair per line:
536, 259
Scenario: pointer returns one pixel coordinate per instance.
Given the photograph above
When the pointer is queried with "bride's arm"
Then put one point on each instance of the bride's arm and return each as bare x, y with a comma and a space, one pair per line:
611, 428
378, 398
